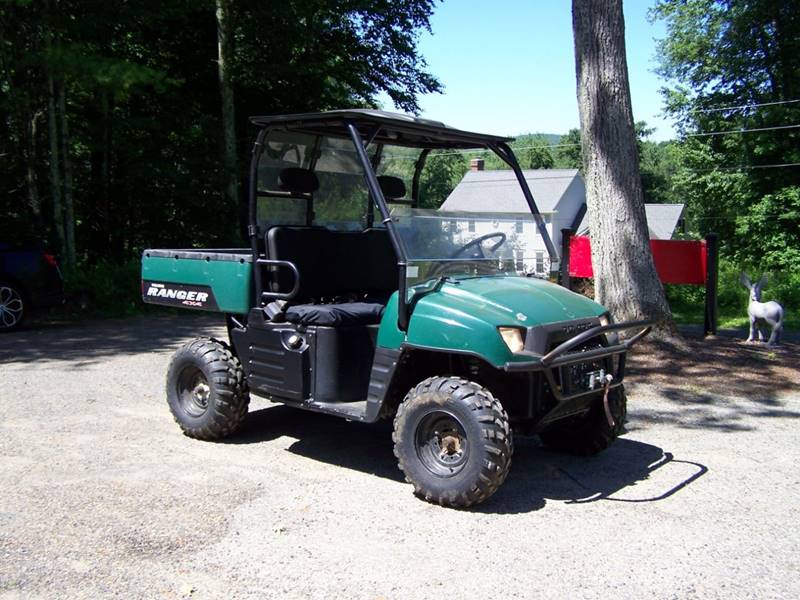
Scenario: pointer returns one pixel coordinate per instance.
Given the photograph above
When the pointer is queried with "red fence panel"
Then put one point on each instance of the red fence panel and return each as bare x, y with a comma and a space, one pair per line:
680, 261
580, 257
677, 261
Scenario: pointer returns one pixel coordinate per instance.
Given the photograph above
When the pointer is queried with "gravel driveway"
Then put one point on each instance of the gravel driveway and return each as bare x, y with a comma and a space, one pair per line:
101, 496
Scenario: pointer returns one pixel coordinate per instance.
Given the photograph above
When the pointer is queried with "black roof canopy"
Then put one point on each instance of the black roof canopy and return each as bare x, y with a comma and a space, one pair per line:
395, 128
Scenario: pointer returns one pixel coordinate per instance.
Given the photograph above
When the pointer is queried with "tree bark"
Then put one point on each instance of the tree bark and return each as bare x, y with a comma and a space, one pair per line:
224, 55
625, 276
29, 135
55, 172
69, 211
100, 226
52, 123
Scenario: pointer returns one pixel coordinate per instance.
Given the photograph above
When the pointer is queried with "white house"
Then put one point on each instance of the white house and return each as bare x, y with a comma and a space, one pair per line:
560, 195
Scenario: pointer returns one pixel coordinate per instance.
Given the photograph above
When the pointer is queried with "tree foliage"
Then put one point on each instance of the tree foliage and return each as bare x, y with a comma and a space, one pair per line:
734, 65
141, 121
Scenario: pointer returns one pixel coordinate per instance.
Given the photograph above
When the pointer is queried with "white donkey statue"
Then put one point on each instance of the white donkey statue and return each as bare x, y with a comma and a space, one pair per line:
760, 313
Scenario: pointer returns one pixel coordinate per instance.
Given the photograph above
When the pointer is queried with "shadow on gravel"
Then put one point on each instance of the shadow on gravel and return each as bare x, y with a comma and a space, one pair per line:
537, 475
718, 383
89, 342
325, 438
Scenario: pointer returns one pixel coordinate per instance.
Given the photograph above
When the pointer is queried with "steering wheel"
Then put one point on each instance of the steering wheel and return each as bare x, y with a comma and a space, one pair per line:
477, 243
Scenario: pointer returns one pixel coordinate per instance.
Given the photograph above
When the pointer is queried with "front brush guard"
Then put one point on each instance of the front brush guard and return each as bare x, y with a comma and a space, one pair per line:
560, 356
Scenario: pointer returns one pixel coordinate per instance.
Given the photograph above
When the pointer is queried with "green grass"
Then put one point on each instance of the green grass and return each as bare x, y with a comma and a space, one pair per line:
728, 319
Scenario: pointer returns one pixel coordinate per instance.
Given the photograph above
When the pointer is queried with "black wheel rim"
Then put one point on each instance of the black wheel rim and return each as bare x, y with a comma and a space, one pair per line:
442, 444
11, 307
193, 391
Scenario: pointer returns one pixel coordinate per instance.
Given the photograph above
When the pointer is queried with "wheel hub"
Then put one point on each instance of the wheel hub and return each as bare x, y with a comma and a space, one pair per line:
442, 443
10, 307
201, 393
449, 444
194, 391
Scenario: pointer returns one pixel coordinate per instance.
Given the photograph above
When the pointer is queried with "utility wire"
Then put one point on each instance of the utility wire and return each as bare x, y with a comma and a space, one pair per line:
514, 180
479, 151
747, 167
710, 133
741, 106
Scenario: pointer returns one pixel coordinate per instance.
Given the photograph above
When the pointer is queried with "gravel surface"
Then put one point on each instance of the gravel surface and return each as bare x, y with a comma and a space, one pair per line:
101, 496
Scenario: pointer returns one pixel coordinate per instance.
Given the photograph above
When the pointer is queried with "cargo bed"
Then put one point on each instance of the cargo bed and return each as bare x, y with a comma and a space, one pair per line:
213, 279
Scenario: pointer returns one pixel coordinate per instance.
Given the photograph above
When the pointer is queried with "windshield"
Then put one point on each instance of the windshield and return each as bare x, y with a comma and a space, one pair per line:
437, 243
465, 244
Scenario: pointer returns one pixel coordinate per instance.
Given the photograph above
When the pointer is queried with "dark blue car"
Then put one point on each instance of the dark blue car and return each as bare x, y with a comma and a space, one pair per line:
29, 279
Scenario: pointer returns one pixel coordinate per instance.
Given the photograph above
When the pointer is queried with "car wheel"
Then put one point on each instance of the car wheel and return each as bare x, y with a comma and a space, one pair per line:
206, 390
12, 307
453, 441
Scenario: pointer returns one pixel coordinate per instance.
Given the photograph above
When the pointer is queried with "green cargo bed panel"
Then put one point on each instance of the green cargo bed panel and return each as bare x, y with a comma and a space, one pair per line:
218, 279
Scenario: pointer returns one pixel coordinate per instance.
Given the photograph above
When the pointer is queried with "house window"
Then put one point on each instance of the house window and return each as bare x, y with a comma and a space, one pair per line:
471, 226
540, 262
518, 226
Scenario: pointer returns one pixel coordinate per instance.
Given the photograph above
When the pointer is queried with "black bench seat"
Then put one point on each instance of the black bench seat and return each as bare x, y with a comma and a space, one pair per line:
358, 265
336, 315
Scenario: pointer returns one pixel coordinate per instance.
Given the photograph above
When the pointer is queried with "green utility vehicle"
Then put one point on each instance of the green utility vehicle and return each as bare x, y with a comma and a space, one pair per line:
353, 300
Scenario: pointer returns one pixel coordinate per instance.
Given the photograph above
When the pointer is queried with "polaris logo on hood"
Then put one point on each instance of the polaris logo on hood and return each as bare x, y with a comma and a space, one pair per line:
176, 294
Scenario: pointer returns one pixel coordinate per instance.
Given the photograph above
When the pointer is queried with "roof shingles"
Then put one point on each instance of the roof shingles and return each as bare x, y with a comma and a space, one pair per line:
498, 191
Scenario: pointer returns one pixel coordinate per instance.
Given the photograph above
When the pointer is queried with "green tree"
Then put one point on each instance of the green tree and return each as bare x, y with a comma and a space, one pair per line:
568, 156
538, 155
734, 65
443, 170
138, 142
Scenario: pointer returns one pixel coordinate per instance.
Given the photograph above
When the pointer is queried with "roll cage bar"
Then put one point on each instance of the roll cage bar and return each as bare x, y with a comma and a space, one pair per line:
363, 128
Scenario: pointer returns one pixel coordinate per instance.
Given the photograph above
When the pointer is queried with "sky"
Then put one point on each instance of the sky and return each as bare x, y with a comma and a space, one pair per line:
508, 66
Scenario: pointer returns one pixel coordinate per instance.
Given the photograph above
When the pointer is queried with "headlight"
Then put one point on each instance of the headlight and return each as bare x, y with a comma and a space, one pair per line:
612, 337
513, 337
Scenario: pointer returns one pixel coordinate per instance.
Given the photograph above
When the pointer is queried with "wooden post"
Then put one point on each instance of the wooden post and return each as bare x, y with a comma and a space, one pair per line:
566, 236
712, 276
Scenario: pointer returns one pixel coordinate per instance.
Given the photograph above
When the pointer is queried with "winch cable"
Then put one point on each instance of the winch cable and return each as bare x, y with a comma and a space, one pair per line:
606, 407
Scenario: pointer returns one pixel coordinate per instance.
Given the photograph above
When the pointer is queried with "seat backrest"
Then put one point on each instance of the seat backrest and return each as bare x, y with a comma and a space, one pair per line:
333, 263
393, 188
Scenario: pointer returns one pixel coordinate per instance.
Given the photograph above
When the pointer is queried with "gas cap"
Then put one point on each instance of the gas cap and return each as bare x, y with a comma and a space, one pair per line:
294, 341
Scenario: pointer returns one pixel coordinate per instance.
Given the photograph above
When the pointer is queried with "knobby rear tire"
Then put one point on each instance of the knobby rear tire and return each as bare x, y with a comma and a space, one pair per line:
206, 390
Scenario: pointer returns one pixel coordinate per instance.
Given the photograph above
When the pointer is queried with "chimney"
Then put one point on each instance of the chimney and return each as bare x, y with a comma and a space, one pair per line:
476, 164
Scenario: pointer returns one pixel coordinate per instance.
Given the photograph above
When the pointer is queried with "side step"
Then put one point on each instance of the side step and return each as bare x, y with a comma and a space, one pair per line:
353, 411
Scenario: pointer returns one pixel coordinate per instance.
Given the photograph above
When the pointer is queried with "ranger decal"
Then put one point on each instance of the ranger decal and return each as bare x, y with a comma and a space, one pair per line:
178, 294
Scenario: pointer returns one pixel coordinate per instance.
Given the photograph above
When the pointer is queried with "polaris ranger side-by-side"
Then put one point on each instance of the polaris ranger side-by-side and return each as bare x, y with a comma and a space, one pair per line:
353, 301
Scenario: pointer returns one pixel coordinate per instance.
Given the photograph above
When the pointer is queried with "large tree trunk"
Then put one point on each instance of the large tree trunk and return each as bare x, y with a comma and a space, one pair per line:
225, 53
625, 276
69, 210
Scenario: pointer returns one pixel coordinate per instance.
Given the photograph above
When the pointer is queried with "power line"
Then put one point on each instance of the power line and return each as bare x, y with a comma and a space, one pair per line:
741, 106
514, 180
478, 151
710, 133
746, 167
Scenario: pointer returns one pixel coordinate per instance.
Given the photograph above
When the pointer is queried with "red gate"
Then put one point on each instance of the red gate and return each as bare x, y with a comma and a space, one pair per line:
677, 261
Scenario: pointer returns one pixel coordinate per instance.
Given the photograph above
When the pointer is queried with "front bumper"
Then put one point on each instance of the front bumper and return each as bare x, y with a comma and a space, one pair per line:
561, 356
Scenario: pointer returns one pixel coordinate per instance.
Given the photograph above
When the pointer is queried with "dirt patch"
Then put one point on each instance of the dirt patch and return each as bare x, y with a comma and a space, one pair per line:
717, 365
